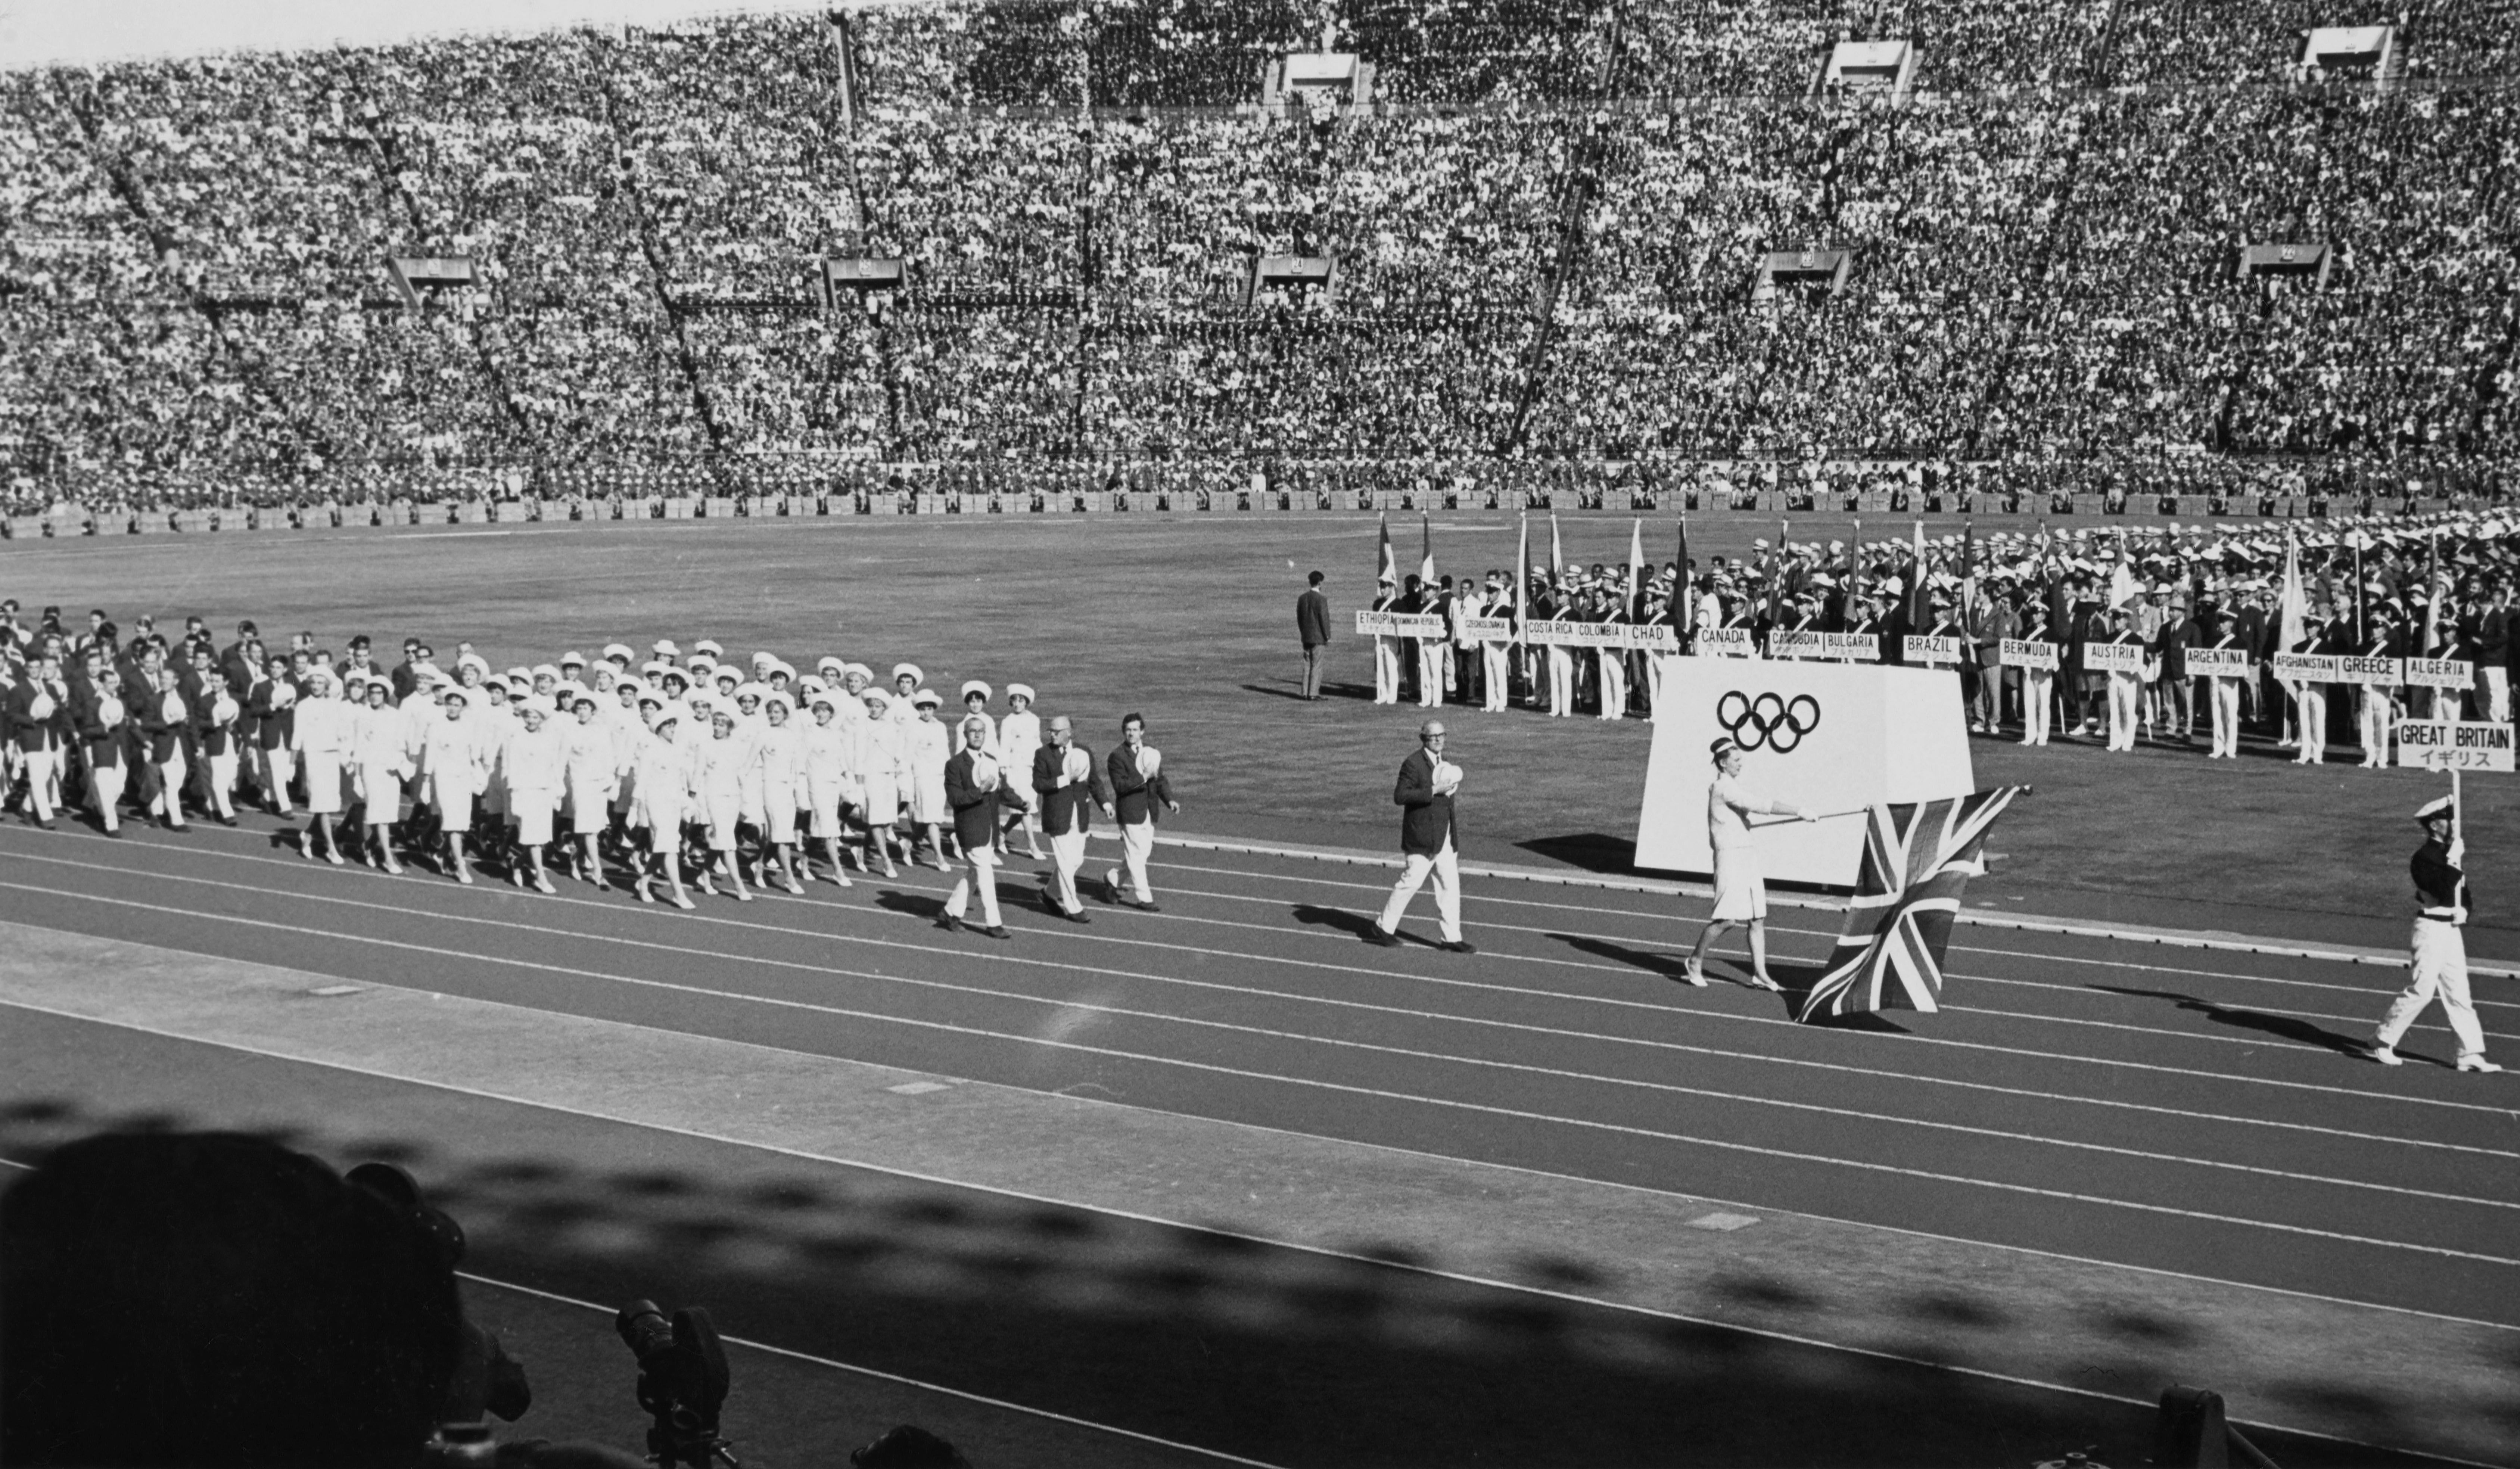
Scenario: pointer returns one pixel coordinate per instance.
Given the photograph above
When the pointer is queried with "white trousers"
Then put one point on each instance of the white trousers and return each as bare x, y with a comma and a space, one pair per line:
1431, 660
2126, 704
1445, 868
1561, 681
2373, 718
1492, 665
1614, 685
1136, 844
2441, 971
1386, 670
44, 781
109, 782
980, 871
2497, 691
1067, 859
2226, 717
2312, 704
2038, 704
279, 766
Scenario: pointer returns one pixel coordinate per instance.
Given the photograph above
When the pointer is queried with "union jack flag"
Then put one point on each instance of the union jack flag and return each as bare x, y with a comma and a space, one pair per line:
1916, 859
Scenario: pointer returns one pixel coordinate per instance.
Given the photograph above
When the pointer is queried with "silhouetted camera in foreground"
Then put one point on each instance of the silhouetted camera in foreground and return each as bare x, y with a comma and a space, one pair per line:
681, 1383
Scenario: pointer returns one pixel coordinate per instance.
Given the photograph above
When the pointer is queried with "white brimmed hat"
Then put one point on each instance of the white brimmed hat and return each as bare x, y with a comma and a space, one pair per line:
974, 685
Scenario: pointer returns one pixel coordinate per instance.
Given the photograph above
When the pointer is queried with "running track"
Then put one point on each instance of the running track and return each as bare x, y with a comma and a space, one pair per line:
2183, 1110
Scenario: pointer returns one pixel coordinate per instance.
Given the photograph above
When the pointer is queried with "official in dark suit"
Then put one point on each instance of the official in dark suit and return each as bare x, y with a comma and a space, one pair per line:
1424, 795
973, 784
1067, 784
1313, 624
1138, 788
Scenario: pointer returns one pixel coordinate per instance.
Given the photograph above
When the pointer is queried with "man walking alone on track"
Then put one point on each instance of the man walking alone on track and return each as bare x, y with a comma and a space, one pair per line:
1425, 793
2439, 949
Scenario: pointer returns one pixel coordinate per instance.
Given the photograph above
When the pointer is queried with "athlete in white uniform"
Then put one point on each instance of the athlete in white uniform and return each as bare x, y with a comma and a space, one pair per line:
2440, 948
1741, 896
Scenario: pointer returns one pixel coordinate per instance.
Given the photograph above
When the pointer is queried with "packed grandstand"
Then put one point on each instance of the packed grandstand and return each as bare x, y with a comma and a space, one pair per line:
1547, 222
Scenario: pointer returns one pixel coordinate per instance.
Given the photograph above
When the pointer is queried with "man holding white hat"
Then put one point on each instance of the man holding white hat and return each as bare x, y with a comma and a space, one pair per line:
1067, 785
1136, 775
974, 781
2439, 949
1425, 793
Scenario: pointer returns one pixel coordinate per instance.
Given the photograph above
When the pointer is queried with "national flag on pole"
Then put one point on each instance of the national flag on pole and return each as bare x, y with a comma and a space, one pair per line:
2291, 606
1968, 573
2433, 598
1854, 576
2123, 587
1636, 572
1917, 859
1684, 592
1916, 580
1427, 560
1522, 578
1556, 553
1386, 566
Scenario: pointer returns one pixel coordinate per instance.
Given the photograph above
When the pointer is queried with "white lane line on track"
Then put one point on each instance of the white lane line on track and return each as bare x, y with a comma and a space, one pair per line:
1774, 928
851, 1367
1625, 971
1520, 1114
1325, 1252
995, 956
1974, 916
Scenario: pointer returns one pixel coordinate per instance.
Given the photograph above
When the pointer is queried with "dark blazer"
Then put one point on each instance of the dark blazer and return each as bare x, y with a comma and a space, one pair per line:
35, 735
272, 726
1312, 617
1134, 800
103, 745
165, 736
975, 811
1068, 808
1426, 818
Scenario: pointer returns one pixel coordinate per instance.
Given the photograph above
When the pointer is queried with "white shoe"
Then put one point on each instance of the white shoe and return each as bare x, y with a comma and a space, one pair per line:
1696, 974
2387, 1056
2477, 1063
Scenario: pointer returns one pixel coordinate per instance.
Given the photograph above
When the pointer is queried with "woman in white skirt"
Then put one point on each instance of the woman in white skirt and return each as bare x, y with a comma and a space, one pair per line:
881, 778
534, 768
454, 767
660, 793
321, 738
828, 750
780, 761
1740, 894
928, 747
591, 776
717, 785
1019, 741
380, 763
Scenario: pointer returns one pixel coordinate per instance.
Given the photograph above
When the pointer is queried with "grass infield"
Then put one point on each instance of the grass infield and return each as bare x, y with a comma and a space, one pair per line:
1190, 621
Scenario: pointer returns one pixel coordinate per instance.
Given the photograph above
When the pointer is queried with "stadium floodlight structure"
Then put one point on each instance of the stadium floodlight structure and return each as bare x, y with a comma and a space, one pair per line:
1825, 269
2365, 51
1293, 273
417, 276
2299, 260
1867, 66
855, 278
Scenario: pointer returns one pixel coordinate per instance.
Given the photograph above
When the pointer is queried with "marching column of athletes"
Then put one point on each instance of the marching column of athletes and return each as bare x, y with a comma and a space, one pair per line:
2218, 650
669, 772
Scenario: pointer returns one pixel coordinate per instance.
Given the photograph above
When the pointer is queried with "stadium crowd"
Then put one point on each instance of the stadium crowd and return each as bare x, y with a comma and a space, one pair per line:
1548, 249
2430, 597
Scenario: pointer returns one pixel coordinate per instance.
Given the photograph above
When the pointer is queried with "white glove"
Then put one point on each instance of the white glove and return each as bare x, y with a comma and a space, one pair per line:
2458, 852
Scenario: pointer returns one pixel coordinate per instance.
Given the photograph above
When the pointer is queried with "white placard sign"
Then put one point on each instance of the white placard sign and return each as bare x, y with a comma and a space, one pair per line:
2450, 744
2113, 657
1826, 737
1725, 641
1556, 633
2379, 672
2026, 652
1654, 637
2217, 662
1488, 628
1400, 624
2440, 673
1796, 644
2305, 668
1932, 652
1861, 647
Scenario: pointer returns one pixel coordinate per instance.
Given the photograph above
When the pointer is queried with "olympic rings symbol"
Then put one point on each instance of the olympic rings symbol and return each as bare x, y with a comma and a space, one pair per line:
1771, 720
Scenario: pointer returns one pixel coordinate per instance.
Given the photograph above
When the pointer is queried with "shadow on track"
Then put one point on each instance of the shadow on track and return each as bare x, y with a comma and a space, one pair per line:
2281, 1027
1206, 1337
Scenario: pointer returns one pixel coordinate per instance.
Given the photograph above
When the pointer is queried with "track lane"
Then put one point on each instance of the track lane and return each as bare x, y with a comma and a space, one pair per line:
1022, 1074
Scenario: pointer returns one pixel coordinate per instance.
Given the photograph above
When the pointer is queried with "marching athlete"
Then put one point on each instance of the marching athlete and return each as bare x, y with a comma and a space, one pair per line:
1138, 786
1740, 895
2440, 951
